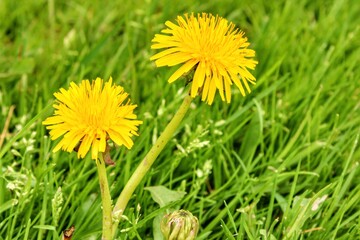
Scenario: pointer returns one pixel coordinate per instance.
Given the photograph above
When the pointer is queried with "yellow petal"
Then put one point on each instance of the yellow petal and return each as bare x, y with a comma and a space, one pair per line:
164, 53
211, 94
95, 149
172, 59
182, 70
84, 146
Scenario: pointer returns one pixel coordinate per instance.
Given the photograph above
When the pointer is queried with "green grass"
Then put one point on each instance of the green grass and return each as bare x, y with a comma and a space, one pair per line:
281, 163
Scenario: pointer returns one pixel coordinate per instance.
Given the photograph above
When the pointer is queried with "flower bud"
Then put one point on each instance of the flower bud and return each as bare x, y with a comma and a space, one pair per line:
179, 225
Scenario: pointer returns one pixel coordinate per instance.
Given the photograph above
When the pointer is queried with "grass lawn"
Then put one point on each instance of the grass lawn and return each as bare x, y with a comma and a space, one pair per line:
280, 163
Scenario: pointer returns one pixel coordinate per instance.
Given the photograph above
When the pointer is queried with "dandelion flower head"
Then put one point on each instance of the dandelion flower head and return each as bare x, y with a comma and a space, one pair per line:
213, 48
88, 114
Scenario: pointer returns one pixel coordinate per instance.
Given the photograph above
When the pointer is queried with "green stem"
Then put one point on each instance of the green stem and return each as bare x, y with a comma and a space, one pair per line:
105, 198
146, 163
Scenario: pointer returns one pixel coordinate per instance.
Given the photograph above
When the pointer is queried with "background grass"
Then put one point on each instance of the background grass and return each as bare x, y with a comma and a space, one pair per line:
282, 163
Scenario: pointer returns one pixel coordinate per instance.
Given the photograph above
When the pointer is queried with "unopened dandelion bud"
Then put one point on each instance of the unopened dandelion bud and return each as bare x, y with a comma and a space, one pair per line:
179, 225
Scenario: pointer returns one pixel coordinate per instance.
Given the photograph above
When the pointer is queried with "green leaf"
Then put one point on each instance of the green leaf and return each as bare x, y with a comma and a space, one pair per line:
253, 134
9, 204
164, 196
227, 232
45, 227
157, 234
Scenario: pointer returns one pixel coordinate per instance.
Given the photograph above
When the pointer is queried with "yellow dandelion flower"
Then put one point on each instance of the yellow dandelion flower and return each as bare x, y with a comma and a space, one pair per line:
213, 47
88, 114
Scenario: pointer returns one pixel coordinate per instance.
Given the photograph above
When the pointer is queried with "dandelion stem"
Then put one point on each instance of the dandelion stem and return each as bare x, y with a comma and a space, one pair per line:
149, 159
106, 199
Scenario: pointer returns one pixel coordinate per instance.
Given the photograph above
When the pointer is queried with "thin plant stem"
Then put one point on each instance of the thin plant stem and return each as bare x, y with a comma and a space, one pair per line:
146, 163
105, 199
